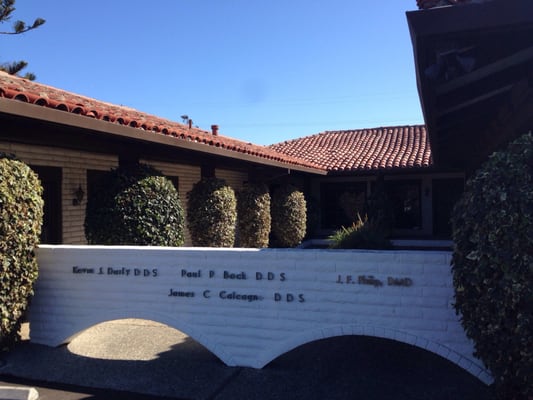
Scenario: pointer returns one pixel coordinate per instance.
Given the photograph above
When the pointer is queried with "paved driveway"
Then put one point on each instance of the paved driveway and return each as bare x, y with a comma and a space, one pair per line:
146, 357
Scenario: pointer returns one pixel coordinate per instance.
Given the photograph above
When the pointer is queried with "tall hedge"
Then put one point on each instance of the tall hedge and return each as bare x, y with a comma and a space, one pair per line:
289, 217
21, 217
253, 215
136, 205
212, 213
493, 266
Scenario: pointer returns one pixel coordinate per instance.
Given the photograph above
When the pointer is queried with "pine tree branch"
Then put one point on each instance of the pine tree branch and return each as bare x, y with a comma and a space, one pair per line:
14, 67
6, 8
21, 27
30, 76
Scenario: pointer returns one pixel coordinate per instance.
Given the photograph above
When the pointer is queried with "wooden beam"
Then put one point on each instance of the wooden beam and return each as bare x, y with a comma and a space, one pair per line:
475, 100
520, 57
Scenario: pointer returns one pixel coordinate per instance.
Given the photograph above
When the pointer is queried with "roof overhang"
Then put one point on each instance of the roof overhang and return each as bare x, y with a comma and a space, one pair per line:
131, 134
474, 70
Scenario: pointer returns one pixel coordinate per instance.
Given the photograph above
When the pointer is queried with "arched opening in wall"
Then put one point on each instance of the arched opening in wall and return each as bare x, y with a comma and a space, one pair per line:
375, 368
147, 357
134, 357
137, 340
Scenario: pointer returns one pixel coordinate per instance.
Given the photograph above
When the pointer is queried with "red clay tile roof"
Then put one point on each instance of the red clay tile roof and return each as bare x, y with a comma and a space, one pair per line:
16, 88
362, 150
355, 150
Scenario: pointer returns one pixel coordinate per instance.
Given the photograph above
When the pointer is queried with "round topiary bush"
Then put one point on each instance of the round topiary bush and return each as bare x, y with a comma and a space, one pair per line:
212, 213
134, 205
21, 217
253, 215
493, 266
289, 217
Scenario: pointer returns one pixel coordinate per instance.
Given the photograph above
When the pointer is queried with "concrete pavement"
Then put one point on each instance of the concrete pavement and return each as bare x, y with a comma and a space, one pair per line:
142, 358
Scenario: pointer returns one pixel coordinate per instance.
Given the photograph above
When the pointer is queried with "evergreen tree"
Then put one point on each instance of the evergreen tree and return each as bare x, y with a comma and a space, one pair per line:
7, 7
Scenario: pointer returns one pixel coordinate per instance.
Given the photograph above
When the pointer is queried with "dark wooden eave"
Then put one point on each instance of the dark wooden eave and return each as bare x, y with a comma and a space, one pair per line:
474, 69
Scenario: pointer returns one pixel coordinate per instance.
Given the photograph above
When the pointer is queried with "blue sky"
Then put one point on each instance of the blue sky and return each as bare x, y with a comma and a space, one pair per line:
264, 71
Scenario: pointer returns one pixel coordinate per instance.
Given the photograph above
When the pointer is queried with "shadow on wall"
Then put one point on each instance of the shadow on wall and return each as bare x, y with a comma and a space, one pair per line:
148, 357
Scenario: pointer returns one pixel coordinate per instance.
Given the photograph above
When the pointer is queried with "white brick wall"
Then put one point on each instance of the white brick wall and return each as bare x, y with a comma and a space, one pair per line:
303, 296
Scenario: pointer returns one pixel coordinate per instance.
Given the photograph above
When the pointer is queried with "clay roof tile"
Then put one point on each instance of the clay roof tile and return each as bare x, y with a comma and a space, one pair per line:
365, 149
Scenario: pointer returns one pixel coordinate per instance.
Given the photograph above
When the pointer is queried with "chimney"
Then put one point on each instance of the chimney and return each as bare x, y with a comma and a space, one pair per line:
214, 130
190, 123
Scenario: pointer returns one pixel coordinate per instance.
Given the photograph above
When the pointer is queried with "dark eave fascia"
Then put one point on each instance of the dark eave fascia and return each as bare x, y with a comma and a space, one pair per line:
493, 14
36, 112
425, 26
428, 26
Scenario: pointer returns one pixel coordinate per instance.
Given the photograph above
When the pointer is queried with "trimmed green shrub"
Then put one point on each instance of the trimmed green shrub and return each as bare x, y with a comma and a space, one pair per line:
289, 217
493, 266
21, 217
134, 205
212, 213
253, 215
363, 234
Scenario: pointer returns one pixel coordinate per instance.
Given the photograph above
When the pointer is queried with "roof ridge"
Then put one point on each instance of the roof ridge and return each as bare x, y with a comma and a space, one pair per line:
83, 96
32, 85
346, 131
376, 128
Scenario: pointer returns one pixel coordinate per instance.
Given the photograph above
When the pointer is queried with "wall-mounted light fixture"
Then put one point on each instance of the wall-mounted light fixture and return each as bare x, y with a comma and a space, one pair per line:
78, 196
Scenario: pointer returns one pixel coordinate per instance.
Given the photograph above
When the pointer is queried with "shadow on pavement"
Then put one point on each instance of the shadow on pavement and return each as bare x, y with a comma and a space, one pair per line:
156, 360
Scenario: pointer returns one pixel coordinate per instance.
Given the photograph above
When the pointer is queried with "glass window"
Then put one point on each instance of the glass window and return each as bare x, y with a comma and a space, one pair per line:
404, 197
341, 202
